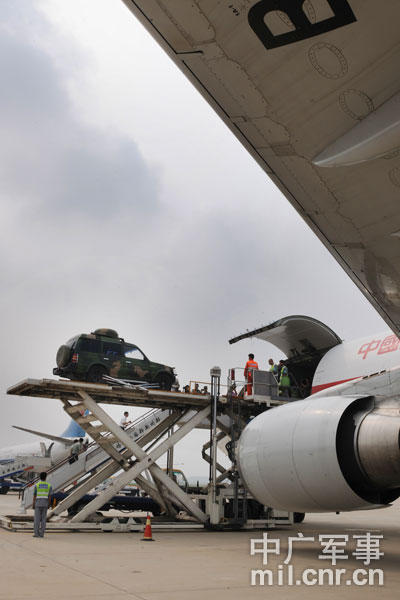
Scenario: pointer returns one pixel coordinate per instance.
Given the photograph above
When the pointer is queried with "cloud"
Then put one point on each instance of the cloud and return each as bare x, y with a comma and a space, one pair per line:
51, 162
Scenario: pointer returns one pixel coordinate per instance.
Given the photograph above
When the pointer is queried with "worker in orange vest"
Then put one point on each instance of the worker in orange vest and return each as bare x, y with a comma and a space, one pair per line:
248, 373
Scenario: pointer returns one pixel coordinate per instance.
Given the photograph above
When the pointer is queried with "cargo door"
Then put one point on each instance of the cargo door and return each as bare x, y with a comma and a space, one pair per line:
303, 340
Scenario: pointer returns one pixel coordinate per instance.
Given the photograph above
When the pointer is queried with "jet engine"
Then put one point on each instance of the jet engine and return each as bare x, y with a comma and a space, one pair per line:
336, 453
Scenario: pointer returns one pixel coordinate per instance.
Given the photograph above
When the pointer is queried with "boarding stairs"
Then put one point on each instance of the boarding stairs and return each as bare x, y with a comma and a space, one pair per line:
106, 452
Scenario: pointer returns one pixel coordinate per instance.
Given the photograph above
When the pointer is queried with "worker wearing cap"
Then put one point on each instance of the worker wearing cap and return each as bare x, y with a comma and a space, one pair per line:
284, 379
41, 502
251, 365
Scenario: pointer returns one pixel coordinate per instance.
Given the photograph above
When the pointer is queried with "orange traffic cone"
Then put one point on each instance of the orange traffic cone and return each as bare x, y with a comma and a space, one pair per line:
147, 536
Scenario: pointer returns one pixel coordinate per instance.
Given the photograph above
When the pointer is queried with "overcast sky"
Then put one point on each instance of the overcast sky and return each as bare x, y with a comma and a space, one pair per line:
126, 203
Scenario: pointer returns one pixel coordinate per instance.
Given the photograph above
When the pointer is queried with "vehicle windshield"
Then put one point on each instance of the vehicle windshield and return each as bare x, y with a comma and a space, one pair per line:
179, 478
133, 352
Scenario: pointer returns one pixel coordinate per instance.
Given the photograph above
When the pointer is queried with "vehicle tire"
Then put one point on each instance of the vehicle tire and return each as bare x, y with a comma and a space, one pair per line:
165, 381
95, 374
63, 356
4, 489
298, 517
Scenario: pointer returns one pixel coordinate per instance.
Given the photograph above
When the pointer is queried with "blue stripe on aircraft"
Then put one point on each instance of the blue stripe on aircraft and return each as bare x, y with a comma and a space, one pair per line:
73, 431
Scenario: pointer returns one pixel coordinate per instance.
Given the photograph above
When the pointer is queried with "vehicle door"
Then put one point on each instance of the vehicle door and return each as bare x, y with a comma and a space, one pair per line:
112, 358
134, 364
89, 352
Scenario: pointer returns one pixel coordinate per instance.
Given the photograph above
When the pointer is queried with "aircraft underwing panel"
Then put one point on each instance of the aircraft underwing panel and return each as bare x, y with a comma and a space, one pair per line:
311, 89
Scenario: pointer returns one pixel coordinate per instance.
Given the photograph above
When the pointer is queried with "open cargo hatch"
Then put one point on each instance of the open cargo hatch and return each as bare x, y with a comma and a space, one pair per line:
295, 335
302, 339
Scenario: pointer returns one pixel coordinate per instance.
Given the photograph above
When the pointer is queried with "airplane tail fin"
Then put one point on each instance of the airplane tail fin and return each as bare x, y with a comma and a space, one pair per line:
73, 430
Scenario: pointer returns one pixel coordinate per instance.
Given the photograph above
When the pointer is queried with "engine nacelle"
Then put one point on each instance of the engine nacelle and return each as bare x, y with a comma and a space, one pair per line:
325, 454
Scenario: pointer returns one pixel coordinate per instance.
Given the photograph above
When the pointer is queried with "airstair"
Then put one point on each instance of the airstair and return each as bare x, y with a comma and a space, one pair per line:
105, 455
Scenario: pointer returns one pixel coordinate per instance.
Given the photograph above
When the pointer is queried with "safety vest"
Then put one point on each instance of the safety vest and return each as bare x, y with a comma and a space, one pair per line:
42, 489
250, 365
273, 369
284, 379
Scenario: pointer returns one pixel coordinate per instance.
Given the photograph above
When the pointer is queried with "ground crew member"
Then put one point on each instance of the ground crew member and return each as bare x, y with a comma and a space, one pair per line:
41, 502
251, 365
273, 367
284, 380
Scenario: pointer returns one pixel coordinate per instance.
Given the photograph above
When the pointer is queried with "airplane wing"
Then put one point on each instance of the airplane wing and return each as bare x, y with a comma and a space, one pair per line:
54, 438
310, 87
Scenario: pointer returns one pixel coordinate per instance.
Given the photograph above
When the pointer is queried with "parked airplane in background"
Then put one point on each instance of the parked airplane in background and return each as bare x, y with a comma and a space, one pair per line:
311, 90
19, 460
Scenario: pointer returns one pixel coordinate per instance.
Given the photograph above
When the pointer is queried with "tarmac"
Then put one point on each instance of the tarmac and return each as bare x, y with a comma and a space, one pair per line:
204, 564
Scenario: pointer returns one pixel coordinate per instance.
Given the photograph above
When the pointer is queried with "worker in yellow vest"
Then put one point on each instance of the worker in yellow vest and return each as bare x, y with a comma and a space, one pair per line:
284, 380
273, 368
41, 502
251, 365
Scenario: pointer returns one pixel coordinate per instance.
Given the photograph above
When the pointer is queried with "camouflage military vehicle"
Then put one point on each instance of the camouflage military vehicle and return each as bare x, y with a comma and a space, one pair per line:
88, 357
